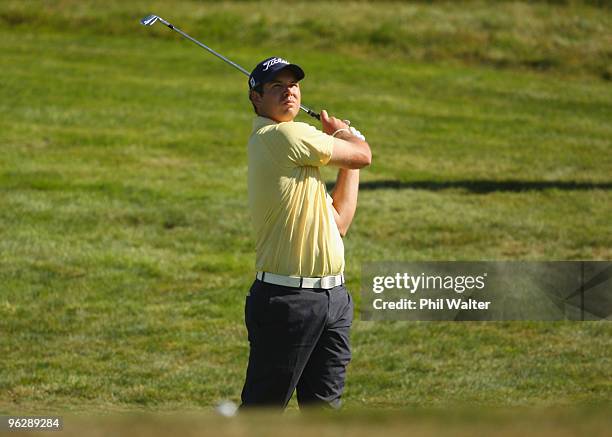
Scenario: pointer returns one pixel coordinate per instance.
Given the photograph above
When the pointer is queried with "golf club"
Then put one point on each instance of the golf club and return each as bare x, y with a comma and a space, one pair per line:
149, 20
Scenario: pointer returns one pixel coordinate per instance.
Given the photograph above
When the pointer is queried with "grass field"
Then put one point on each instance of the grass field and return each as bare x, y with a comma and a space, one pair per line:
125, 243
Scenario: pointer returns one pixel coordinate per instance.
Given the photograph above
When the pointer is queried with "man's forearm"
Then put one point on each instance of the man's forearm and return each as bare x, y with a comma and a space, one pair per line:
345, 198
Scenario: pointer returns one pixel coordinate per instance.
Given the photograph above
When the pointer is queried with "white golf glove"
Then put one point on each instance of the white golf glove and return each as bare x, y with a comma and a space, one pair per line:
356, 133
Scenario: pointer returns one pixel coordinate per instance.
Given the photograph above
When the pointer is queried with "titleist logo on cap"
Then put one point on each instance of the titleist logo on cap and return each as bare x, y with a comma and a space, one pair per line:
274, 61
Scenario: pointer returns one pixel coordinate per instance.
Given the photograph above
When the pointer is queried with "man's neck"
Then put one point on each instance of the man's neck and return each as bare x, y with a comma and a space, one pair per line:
272, 118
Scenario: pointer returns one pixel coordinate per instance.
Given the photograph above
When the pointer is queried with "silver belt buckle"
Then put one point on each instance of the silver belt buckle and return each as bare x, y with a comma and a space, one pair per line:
328, 282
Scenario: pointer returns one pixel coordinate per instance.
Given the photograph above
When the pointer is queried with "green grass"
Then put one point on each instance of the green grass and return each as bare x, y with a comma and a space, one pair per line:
125, 243
570, 36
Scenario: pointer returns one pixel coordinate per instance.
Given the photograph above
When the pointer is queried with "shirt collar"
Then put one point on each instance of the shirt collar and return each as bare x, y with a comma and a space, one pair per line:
259, 122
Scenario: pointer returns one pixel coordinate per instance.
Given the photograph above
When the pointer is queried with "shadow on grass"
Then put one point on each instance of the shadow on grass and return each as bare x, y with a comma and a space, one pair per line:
482, 186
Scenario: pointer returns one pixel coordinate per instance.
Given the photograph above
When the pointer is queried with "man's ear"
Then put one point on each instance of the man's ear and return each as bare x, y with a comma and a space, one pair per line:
255, 97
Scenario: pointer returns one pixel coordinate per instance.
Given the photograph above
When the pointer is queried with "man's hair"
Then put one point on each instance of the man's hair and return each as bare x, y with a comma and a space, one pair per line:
259, 90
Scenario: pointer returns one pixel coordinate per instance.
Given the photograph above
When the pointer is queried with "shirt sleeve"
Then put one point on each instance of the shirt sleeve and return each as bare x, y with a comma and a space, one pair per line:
308, 146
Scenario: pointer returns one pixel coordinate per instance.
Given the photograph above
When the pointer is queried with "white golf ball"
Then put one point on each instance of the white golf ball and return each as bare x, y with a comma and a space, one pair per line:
227, 408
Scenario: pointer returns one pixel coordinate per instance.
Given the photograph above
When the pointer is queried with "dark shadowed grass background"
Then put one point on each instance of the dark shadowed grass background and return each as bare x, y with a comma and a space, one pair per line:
125, 243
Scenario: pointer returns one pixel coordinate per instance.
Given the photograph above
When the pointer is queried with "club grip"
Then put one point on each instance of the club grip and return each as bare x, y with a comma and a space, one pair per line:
314, 114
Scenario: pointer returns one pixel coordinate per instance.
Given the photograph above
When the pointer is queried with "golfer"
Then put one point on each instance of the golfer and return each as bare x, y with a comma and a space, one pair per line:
298, 313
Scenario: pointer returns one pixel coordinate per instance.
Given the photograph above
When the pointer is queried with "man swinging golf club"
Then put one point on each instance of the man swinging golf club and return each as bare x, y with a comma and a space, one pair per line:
298, 313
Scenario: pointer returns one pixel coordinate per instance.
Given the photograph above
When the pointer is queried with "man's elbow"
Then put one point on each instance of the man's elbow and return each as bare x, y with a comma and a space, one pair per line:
342, 227
368, 157
364, 160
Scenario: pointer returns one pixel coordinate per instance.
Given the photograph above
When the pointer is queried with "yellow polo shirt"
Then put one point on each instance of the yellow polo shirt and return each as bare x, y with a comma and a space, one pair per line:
290, 209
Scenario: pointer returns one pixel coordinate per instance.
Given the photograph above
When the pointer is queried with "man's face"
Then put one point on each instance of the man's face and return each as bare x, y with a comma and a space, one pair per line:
281, 97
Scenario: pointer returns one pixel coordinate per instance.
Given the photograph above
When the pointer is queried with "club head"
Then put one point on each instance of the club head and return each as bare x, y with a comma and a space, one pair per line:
149, 20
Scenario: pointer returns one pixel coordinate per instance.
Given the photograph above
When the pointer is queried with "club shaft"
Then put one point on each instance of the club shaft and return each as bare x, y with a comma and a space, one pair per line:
233, 64
204, 46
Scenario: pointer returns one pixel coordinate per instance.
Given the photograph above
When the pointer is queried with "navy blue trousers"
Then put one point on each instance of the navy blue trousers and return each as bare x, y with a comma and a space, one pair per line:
299, 340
